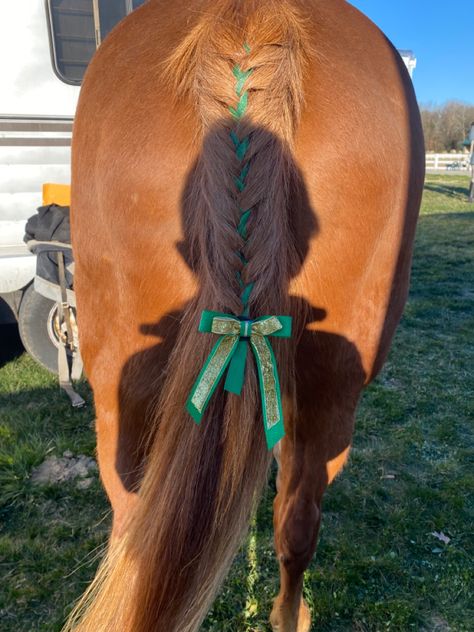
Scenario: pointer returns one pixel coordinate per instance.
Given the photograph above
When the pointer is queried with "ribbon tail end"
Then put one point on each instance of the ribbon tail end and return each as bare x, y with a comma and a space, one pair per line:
194, 412
236, 373
274, 435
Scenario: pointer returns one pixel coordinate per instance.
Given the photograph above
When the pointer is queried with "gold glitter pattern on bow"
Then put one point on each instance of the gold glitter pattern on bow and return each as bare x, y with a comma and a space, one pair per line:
267, 327
269, 390
212, 372
225, 326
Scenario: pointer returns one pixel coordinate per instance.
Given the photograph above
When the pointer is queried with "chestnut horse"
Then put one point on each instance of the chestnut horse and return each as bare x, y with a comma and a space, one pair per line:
254, 158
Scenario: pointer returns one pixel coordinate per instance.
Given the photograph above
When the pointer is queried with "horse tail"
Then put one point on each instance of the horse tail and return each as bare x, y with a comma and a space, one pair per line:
241, 68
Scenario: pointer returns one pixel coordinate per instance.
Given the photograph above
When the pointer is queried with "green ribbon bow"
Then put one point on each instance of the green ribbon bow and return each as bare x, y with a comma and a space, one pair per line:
230, 351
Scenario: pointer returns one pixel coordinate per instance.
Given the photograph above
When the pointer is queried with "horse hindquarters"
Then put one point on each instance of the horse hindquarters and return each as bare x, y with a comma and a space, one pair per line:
199, 486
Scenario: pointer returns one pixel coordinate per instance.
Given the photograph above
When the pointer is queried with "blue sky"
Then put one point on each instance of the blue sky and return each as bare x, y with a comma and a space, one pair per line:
441, 34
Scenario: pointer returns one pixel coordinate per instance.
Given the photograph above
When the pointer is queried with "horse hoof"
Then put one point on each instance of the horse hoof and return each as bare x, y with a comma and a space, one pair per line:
274, 622
304, 618
280, 620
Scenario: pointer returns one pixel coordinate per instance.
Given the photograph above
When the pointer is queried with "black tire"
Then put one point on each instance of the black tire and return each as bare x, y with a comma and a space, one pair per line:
36, 326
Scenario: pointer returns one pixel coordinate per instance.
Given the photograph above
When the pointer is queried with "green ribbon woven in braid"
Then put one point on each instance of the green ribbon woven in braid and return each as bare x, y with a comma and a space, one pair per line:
236, 334
241, 148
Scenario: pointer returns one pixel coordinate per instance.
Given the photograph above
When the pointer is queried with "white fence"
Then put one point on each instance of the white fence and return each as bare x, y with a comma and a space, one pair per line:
454, 162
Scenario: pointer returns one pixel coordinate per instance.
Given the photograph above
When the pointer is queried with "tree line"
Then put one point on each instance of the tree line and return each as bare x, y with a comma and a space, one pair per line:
446, 126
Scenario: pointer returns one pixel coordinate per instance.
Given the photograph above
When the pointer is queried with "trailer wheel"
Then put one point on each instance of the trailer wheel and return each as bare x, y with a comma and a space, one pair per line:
37, 323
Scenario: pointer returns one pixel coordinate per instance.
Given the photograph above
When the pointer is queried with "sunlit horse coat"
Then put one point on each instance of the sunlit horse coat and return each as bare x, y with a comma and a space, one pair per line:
300, 114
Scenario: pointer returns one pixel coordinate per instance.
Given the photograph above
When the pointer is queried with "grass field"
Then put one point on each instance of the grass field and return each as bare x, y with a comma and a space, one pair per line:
379, 567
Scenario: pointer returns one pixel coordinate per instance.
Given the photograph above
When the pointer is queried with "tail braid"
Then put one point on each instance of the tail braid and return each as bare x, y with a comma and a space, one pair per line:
244, 173
241, 149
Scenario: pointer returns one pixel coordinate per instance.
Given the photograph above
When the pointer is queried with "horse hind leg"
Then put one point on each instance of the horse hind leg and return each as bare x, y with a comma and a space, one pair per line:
305, 468
122, 432
296, 522
116, 467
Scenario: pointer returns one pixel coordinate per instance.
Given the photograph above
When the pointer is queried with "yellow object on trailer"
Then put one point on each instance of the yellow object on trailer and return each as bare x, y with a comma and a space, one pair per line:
59, 194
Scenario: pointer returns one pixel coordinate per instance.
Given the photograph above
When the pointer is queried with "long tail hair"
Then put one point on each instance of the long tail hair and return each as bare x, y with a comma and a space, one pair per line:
241, 67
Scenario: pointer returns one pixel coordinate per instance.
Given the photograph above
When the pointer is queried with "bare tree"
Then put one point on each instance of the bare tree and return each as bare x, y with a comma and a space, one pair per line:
446, 127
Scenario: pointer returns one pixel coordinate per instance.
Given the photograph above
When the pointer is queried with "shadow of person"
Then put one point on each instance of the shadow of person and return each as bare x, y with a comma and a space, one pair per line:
319, 355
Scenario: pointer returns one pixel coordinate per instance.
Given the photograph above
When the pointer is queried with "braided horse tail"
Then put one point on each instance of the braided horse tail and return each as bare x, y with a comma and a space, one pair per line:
241, 67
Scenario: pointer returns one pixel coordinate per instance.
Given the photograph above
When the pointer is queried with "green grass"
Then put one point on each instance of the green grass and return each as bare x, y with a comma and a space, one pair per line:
378, 566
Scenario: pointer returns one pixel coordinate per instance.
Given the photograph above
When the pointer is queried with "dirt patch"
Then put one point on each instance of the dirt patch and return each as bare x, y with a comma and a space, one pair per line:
56, 470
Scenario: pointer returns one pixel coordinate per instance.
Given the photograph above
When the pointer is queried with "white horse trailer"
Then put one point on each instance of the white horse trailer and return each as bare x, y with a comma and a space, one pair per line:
45, 47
